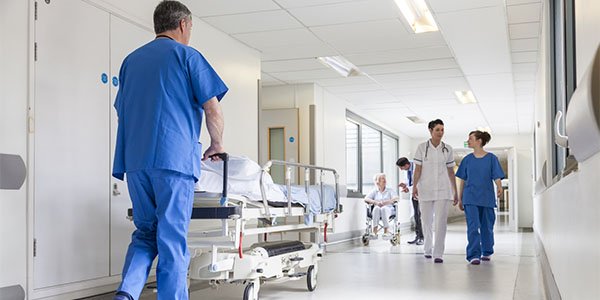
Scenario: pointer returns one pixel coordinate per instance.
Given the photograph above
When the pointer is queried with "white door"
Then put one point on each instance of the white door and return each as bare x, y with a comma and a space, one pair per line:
279, 140
124, 38
71, 143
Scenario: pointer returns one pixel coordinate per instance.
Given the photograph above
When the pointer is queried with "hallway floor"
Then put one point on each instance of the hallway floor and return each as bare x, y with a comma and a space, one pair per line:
352, 271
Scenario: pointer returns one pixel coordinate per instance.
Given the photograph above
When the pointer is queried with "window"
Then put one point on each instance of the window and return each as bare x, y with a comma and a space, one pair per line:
390, 155
562, 69
352, 162
371, 156
370, 149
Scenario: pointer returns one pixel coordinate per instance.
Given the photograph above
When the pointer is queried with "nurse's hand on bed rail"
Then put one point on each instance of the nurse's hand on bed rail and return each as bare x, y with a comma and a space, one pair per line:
220, 156
213, 151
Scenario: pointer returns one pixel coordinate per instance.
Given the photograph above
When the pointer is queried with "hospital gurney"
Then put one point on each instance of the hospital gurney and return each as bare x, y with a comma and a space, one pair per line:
219, 255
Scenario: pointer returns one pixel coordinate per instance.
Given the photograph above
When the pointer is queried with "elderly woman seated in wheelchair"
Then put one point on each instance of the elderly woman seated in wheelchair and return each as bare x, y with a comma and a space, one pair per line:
381, 207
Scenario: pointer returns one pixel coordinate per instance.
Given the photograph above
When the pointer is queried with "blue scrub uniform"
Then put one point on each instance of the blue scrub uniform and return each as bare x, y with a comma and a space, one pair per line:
479, 201
163, 86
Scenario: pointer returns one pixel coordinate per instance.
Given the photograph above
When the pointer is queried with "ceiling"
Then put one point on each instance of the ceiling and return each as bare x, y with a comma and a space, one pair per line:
487, 46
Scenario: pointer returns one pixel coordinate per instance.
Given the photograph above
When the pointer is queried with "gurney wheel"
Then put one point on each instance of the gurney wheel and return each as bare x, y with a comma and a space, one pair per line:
365, 240
395, 240
311, 278
250, 292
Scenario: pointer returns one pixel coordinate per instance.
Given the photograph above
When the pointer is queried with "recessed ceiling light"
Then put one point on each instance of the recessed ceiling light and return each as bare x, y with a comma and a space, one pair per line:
340, 65
416, 119
465, 97
418, 15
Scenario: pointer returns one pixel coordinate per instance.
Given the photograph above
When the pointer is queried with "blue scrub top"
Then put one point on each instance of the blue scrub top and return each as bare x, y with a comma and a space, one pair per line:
479, 174
163, 86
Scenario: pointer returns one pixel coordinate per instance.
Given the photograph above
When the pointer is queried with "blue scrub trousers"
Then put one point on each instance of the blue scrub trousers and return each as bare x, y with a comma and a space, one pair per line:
480, 231
162, 207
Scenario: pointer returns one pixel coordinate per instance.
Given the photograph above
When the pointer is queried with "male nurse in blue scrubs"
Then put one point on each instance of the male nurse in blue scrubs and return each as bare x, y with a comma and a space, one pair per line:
165, 88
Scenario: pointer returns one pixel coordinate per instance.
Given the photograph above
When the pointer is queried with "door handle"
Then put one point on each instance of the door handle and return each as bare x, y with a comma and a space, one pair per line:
559, 138
115, 190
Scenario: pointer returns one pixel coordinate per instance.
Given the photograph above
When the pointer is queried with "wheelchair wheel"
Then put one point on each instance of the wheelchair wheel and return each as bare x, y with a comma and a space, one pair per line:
365, 239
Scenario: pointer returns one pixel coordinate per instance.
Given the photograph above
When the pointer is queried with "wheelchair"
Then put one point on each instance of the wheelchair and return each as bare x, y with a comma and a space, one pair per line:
394, 228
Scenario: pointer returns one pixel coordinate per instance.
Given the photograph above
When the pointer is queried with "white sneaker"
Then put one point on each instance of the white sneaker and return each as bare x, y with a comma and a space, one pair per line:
387, 236
373, 236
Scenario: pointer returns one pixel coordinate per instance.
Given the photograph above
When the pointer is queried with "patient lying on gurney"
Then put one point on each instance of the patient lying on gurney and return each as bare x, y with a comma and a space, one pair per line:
244, 179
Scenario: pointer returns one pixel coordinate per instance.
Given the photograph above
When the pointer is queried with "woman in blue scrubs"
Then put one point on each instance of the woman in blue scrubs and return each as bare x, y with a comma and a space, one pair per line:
477, 197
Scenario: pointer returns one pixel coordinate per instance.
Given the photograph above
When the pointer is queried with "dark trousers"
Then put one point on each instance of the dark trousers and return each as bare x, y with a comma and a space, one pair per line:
418, 227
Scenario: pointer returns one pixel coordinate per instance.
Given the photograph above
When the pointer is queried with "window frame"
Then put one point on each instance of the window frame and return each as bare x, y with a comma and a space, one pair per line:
360, 121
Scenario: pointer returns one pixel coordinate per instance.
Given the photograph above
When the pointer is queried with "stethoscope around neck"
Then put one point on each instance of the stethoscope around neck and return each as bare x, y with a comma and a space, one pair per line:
443, 148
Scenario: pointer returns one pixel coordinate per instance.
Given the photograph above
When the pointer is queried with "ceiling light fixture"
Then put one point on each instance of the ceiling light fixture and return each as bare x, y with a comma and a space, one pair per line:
465, 97
416, 119
484, 129
417, 15
340, 65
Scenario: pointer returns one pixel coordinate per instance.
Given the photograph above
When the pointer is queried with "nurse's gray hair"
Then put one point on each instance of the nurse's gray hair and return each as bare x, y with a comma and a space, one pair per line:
377, 176
168, 14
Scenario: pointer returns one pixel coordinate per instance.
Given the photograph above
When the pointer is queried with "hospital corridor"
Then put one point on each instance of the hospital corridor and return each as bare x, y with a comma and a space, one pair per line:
299, 149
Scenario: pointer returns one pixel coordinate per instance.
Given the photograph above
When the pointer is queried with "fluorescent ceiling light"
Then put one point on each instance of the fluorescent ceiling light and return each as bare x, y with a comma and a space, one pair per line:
340, 65
484, 129
416, 119
465, 97
418, 15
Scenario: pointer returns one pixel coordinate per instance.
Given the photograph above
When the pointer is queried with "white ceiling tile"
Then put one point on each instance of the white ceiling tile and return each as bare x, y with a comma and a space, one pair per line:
392, 78
492, 87
292, 65
305, 75
478, 37
204, 8
516, 2
435, 64
251, 22
304, 3
346, 12
375, 36
525, 67
523, 98
524, 45
525, 57
440, 6
279, 38
401, 55
297, 52
456, 83
524, 13
524, 84
355, 80
524, 75
524, 30
345, 89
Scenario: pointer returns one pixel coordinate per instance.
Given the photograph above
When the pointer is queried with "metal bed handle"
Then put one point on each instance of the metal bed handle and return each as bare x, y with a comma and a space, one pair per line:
268, 165
225, 158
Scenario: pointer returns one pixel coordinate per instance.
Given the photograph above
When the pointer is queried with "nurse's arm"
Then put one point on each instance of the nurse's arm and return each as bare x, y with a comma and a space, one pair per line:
215, 125
499, 188
416, 178
453, 183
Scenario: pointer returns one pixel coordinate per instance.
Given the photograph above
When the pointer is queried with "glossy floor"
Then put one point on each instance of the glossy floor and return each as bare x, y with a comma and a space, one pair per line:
352, 271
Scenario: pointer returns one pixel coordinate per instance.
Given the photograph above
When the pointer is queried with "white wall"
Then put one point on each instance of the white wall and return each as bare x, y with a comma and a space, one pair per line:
14, 33
566, 214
